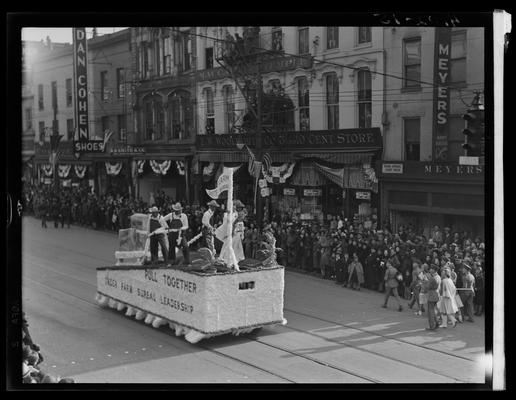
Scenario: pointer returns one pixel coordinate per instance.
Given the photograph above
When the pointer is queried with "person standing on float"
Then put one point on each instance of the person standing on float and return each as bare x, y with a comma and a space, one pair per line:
207, 225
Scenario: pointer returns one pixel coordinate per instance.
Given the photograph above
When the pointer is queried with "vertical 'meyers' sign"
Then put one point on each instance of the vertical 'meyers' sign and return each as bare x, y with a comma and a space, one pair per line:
441, 92
80, 52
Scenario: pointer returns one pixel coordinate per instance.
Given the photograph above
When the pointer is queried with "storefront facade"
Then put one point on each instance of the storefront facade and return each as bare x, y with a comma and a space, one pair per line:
313, 173
426, 194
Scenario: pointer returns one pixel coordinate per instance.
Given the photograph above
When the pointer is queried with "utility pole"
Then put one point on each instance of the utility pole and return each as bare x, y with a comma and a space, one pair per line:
259, 143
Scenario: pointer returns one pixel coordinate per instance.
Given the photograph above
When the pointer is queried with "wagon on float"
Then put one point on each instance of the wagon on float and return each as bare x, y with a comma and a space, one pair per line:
198, 301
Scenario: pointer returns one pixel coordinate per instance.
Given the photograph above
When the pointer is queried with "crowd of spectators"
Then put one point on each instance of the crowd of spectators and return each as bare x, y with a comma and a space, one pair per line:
353, 253
31, 360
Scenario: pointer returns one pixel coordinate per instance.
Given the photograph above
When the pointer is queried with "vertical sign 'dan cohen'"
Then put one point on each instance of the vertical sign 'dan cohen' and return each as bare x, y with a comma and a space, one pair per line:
80, 52
441, 92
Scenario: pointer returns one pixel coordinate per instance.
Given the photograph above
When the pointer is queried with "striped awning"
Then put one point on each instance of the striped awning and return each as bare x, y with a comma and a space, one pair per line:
340, 157
221, 157
162, 156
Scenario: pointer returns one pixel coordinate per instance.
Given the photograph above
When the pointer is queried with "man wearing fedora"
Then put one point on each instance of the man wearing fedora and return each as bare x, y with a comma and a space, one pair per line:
434, 284
178, 223
468, 291
156, 222
207, 225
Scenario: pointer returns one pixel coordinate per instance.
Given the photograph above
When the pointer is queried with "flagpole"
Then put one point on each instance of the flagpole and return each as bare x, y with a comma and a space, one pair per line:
230, 219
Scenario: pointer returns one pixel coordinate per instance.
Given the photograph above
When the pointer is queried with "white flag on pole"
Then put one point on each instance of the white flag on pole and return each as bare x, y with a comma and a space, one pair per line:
222, 183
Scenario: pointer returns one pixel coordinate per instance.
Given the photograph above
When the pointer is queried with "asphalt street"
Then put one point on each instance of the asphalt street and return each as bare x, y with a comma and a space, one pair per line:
333, 335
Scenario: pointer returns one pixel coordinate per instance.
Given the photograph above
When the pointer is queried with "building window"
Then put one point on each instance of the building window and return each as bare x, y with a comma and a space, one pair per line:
229, 109
183, 51
412, 131
458, 57
412, 62
186, 49
40, 98
122, 129
167, 58
41, 125
210, 112
69, 129
149, 60
209, 57
28, 118
332, 37
54, 95
154, 118
104, 121
144, 61
455, 138
364, 34
364, 99
148, 121
303, 40
104, 90
69, 98
332, 101
277, 39
181, 115
303, 96
120, 82
157, 57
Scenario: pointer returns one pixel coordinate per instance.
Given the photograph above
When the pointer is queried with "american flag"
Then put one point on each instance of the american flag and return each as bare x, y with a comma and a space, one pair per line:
254, 167
267, 162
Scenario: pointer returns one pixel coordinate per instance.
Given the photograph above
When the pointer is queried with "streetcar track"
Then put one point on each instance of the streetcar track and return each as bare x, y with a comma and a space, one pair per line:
388, 337
205, 347
303, 356
345, 343
209, 348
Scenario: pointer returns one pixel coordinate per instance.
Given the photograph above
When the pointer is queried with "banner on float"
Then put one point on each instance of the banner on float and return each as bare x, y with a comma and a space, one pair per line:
193, 299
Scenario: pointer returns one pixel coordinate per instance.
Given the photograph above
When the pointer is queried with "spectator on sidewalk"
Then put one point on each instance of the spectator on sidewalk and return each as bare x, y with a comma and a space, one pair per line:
434, 284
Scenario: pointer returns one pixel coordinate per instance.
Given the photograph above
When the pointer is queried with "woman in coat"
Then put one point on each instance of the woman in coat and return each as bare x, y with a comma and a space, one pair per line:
447, 306
356, 273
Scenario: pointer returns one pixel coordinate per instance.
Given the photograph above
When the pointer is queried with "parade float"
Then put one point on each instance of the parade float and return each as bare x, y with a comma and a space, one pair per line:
209, 297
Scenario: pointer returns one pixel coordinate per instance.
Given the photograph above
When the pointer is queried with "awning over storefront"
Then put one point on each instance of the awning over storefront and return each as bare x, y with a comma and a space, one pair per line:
339, 157
310, 173
227, 156
162, 156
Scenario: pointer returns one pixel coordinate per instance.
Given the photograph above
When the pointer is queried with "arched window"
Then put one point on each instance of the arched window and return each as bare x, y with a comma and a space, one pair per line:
229, 109
303, 95
180, 115
209, 112
153, 118
332, 101
364, 98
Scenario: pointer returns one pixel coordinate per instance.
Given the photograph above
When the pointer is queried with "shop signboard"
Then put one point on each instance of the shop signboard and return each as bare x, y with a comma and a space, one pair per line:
289, 192
442, 80
80, 64
363, 195
392, 168
265, 191
312, 192
363, 138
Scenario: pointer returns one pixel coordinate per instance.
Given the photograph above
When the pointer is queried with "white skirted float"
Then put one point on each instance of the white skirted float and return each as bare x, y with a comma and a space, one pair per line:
208, 298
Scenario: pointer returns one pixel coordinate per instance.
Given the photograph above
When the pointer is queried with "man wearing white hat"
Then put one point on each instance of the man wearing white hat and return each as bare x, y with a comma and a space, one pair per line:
157, 229
207, 225
178, 223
